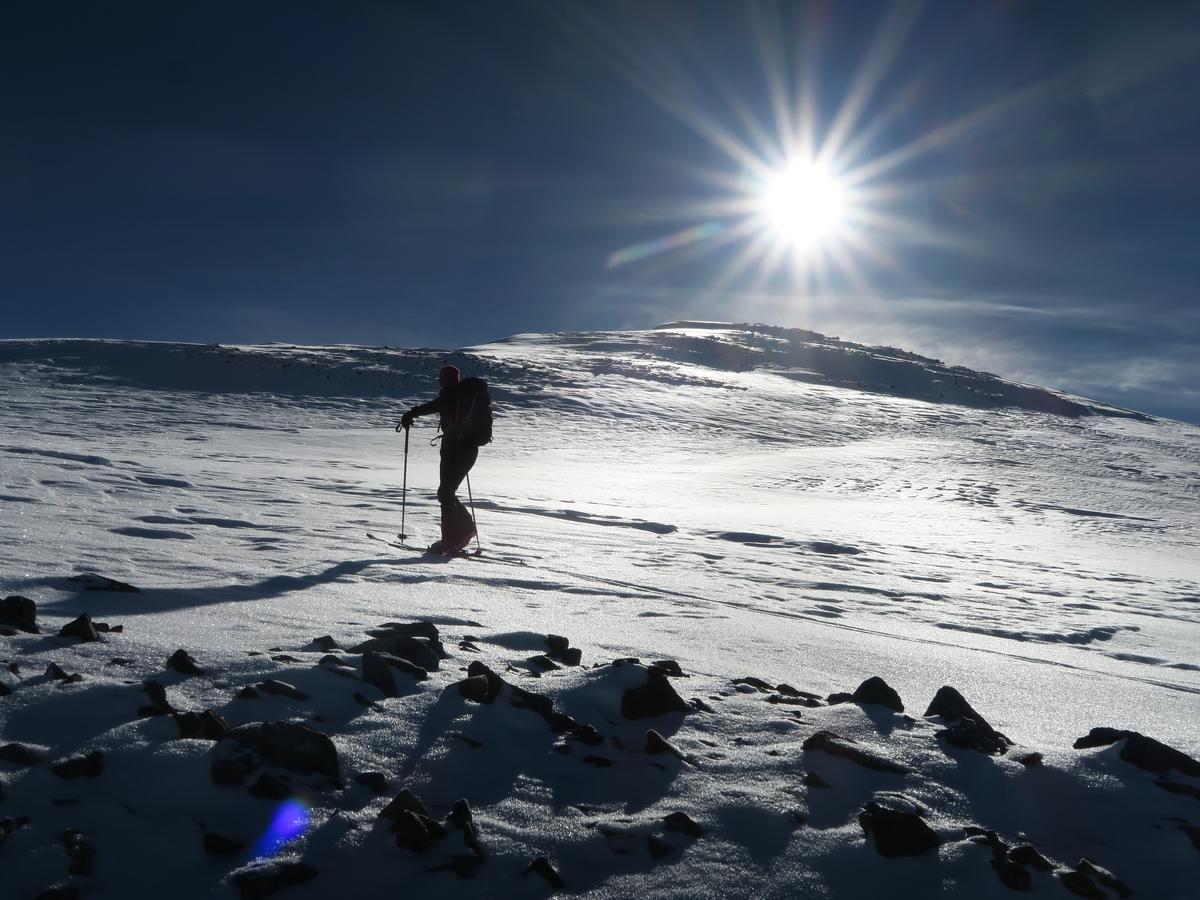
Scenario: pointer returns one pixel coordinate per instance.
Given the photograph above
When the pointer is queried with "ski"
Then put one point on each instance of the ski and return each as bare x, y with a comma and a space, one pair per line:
476, 556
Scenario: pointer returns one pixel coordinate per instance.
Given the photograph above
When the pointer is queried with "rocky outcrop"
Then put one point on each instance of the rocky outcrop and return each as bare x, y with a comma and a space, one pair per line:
835, 745
295, 749
1141, 751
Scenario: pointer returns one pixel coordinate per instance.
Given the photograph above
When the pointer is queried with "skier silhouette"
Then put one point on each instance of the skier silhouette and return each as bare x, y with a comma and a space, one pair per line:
466, 423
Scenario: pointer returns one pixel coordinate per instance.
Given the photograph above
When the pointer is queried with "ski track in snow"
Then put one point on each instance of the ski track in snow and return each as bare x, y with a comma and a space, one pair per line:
639, 500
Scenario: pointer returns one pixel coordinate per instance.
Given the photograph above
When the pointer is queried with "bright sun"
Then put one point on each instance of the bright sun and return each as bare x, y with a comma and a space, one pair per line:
804, 203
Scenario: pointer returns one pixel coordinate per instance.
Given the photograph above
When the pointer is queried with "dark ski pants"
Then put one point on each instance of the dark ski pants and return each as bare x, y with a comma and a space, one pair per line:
457, 460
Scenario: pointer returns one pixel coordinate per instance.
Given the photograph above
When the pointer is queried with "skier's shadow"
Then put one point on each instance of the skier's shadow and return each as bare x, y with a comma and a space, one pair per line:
152, 600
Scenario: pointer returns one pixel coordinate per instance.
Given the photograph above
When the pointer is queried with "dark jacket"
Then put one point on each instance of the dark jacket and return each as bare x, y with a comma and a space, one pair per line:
452, 407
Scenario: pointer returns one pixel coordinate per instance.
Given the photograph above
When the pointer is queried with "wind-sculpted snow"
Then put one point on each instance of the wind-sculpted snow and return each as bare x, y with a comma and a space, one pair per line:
771, 537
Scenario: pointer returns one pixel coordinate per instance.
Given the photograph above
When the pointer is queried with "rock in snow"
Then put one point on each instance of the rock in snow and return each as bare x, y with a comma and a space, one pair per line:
1141, 751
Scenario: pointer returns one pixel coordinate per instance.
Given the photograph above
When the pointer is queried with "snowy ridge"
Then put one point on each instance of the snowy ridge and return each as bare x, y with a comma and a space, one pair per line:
781, 514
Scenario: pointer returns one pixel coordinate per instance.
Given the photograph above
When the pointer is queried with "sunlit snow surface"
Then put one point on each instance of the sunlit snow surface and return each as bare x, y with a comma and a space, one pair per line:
762, 503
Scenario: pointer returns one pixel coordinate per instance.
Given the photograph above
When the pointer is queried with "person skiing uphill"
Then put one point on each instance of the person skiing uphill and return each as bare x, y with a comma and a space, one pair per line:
466, 424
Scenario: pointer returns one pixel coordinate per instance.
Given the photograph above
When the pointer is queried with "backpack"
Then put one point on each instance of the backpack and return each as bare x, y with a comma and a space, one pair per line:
474, 412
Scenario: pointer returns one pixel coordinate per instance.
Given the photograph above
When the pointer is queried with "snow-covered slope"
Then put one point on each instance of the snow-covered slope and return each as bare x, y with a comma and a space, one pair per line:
745, 501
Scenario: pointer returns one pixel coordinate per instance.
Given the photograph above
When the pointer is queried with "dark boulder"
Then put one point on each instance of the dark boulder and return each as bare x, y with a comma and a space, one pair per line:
897, 832
877, 691
81, 855
541, 866
966, 727
835, 745
93, 582
839, 697
182, 661
80, 628
18, 754
287, 745
757, 683
281, 689
557, 643
20, 613
405, 801
158, 706
416, 831
654, 698
656, 743
326, 643
668, 667
682, 823
1141, 751
205, 725
475, 689
376, 781
90, 765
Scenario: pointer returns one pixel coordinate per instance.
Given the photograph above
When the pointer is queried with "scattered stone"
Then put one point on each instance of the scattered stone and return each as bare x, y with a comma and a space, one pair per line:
285, 658
376, 781
93, 582
462, 819
839, 697
417, 643
656, 743
1012, 876
835, 745
247, 693
19, 754
326, 642
756, 683
281, 689
263, 879
813, 780
967, 728
699, 705
120, 661
586, 734
416, 831
1027, 855
105, 628
81, 628
1079, 883
476, 689
81, 855
182, 661
405, 801
55, 671
469, 647
572, 656
658, 847
557, 643
288, 745
655, 698
668, 667
1105, 877
600, 762
1029, 760
544, 662
541, 866
220, 845
158, 705
897, 832
89, 766
785, 700
876, 690
20, 613
206, 725
682, 823
1141, 751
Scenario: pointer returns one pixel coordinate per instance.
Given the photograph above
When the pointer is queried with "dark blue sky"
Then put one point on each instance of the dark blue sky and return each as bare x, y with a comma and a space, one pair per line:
451, 172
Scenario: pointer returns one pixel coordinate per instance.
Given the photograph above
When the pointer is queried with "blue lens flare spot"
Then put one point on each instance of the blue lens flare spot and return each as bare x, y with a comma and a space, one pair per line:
289, 822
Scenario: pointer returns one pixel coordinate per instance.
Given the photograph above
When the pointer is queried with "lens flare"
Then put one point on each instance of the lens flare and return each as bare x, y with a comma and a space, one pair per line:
289, 822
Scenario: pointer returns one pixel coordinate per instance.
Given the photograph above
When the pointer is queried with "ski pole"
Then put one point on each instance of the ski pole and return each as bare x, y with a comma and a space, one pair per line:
478, 546
404, 489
